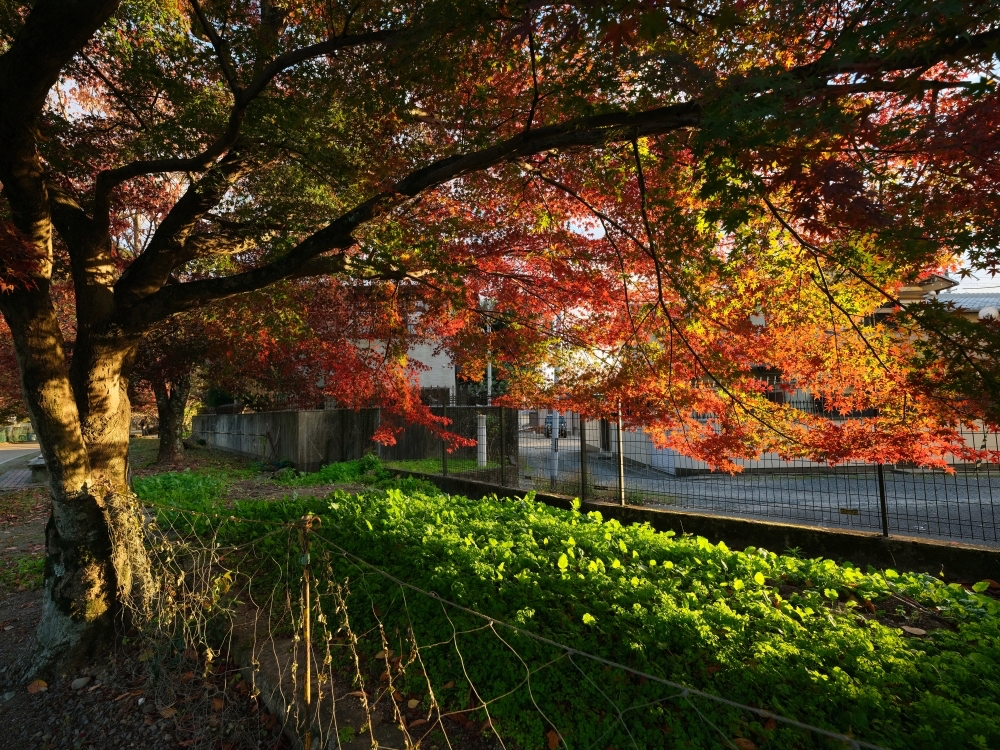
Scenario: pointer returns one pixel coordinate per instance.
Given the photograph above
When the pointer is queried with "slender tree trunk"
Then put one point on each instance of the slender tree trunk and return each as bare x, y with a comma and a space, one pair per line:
171, 400
96, 570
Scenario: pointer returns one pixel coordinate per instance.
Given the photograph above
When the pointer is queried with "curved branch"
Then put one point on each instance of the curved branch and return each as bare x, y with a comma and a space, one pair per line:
111, 178
220, 47
591, 131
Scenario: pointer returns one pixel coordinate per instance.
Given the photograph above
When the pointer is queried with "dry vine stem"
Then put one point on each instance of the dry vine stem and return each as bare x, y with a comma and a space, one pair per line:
308, 522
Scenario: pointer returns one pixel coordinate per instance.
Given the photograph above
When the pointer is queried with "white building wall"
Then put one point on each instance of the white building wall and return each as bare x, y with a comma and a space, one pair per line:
442, 371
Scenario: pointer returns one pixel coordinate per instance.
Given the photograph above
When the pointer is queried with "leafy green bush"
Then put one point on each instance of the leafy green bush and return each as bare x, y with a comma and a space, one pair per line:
790, 635
188, 489
362, 471
689, 611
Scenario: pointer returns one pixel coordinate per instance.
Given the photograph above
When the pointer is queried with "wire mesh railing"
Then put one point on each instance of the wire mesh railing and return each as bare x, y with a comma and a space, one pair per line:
518, 449
594, 460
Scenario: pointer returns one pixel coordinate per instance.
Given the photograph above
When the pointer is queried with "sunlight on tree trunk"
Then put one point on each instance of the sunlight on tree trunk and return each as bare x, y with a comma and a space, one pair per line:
95, 558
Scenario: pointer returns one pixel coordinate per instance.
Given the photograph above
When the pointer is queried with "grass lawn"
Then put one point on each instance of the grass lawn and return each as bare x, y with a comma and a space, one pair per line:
435, 466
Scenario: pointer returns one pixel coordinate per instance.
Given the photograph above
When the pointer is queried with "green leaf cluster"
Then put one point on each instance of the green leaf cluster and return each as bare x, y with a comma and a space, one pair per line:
776, 631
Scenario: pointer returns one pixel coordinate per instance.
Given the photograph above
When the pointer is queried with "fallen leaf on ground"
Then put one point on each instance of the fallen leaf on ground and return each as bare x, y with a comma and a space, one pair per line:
187, 676
914, 631
771, 724
412, 703
869, 606
384, 654
218, 704
168, 712
448, 684
553, 736
397, 696
359, 694
417, 723
38, 686
744, 744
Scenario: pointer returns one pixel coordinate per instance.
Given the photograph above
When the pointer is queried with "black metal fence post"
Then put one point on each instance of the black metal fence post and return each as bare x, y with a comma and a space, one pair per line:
583, 460
444, 447
621, 459
503, 448
883, 506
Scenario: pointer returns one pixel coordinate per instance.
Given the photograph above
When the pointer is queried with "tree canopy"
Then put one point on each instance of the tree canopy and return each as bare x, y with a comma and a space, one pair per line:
660, 199
639, 181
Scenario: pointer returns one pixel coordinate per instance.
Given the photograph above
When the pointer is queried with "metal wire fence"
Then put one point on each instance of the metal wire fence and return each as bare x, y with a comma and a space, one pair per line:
342, 653
535, 449
522, 449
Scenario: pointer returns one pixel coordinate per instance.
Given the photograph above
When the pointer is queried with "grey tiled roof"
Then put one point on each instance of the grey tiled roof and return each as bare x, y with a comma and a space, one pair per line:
971, 301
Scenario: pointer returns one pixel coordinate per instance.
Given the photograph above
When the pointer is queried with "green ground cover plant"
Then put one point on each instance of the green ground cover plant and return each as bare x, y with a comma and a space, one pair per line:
805, 638
22, 573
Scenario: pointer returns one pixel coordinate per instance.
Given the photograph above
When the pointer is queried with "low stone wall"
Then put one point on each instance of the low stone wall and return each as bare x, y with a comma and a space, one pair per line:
956, 561
306, 439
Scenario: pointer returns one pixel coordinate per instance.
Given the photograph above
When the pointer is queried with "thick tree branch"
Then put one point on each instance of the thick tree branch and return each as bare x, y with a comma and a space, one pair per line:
220, 47
51, 36
168, 248
90, 256
243, 98
923, 56
583, 132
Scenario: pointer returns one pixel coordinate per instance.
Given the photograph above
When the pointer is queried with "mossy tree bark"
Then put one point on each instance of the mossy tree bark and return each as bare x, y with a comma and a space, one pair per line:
96, 570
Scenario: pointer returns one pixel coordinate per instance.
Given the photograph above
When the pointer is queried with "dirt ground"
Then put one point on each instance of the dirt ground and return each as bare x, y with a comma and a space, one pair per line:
115, 703
125, 700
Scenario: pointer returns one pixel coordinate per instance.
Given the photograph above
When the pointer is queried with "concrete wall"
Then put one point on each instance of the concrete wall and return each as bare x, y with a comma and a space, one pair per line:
271, 436
307, 439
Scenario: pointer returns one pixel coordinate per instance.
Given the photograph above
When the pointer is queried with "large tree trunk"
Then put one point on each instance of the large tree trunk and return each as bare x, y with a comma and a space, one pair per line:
97, 573
171, 400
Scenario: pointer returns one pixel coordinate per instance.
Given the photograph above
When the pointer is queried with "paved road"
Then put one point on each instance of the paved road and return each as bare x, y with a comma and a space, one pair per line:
14, 451
963, 506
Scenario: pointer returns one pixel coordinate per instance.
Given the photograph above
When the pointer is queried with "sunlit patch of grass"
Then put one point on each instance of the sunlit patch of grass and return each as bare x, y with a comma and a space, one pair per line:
435, 465
22, 573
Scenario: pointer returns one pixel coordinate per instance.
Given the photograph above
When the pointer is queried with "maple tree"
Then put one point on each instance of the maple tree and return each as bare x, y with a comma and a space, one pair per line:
296, 345
658, 197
